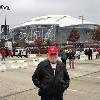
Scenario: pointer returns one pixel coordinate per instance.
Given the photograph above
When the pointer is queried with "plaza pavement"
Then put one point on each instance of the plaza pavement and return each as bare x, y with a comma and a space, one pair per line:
17, 84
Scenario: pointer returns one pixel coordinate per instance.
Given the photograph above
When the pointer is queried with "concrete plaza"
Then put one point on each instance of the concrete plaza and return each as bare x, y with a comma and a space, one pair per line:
17, 84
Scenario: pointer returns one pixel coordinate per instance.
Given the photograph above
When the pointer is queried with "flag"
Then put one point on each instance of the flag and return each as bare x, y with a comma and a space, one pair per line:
1, 7
7, 8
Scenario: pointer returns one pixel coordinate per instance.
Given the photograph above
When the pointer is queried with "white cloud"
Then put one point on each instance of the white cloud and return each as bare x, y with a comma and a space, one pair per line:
24, 5
23, 10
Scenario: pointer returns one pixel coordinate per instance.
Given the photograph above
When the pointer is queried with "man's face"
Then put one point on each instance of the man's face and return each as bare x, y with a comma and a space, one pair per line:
52, 58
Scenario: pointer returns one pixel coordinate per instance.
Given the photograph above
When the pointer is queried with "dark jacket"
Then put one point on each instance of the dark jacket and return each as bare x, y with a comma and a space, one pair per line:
64, 55
71, 55
48, 84
89, 52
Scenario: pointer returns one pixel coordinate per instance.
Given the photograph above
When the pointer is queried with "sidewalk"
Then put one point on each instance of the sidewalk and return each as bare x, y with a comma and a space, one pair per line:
82, 69
95, 61
17, 84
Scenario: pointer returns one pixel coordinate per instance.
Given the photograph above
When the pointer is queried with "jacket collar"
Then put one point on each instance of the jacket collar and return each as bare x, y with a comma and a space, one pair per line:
50, 67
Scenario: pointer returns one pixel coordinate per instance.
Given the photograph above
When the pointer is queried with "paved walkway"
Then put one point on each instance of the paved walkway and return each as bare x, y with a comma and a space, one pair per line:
17, 84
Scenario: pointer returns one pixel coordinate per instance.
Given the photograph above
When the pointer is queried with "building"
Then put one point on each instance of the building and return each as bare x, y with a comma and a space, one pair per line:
54, 27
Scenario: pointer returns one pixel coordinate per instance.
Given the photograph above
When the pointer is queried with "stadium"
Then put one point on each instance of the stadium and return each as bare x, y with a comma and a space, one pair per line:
53, 27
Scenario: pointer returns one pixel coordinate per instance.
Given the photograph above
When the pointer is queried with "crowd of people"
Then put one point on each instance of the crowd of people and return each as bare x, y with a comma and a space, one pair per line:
71, 55
51, 76
5, 53
68, 54
89, 52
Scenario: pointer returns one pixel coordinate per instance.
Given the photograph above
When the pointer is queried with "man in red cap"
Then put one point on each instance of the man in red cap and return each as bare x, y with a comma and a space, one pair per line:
51, 77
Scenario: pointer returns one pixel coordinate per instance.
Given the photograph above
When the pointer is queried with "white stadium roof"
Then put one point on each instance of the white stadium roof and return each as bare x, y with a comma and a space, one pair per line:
61, 20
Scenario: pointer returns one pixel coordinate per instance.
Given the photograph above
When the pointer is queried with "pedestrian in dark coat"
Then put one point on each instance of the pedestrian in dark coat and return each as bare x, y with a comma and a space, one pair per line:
64, 56
71, 58
51, 77
89, 54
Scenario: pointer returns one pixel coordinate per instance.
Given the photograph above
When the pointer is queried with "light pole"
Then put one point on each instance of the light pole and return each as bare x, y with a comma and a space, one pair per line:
82, 18
5, 27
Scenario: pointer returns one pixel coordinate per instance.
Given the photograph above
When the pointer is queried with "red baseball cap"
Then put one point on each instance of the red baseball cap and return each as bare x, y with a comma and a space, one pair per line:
53, 50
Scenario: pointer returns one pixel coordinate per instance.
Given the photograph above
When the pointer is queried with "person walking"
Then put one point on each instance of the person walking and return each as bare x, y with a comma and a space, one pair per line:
64, 56
51, 77
3, 54
71, 58
20, 54
10, 53
89, 54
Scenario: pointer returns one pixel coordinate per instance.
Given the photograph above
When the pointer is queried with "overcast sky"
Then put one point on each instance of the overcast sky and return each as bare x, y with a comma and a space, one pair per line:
24, 10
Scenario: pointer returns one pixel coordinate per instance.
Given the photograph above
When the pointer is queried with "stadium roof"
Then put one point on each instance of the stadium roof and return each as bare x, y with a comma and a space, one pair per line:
61, 20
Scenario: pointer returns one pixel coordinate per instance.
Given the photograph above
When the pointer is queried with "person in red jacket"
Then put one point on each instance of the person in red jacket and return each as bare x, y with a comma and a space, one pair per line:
98, 50
10, 53
3, 54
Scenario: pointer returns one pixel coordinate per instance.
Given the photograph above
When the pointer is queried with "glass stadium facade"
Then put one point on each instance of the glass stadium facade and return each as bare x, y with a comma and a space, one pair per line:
83, 29
53, 32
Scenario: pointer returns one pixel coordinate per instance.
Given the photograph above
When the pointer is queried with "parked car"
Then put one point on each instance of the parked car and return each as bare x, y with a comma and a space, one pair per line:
21, 52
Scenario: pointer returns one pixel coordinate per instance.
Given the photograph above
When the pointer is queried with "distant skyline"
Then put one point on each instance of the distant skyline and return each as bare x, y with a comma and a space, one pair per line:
24, 10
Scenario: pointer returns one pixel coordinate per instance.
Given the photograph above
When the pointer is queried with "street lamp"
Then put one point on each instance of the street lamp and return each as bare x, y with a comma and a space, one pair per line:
5, 28
82, 18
